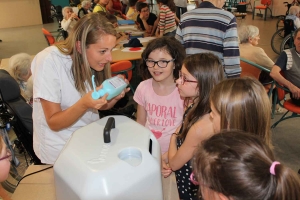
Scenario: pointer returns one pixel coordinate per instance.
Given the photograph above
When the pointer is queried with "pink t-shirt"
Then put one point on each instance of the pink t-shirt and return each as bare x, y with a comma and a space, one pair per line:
164, 113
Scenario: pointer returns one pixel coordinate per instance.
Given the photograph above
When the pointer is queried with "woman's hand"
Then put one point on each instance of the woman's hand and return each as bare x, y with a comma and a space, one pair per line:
122, 94
88, 102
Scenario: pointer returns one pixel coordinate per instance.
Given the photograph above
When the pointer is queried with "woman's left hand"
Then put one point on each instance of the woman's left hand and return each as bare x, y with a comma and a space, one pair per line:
122, 94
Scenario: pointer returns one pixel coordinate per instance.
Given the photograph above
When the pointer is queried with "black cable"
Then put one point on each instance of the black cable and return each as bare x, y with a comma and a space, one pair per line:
33, 173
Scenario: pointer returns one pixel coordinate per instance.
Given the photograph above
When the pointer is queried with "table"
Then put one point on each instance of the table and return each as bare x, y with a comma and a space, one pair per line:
41, 185
118, 55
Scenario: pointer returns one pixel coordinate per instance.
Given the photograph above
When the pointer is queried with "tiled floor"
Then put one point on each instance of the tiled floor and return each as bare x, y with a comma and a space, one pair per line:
286, 136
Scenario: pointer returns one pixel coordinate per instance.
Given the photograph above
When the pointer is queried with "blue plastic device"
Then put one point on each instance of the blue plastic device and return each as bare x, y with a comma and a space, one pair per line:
126, 22
113, 86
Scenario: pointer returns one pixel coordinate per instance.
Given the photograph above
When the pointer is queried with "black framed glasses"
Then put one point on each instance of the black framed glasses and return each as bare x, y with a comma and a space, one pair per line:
182, 79
159, 63
8, 155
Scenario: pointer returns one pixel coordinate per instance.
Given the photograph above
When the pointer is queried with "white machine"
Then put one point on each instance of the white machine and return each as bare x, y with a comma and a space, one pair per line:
114, 158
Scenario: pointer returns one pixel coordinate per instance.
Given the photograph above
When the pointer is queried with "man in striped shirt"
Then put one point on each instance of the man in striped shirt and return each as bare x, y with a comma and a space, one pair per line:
208, 28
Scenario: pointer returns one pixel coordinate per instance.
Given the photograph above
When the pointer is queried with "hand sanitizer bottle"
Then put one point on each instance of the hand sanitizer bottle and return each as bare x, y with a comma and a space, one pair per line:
113, 86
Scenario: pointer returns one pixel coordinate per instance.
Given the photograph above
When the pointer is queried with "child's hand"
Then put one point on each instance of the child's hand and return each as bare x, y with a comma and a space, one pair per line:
124, 37
166, 170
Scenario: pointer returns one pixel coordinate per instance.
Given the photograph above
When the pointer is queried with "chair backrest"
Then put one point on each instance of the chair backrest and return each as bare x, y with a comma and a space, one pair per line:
49, 37
288, 26
16, 104
266, 2
280, 92
122, 67
249, 70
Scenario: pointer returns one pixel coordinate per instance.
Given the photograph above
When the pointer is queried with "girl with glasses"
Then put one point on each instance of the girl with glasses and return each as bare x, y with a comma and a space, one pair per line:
160, 107
233, 165
198, 75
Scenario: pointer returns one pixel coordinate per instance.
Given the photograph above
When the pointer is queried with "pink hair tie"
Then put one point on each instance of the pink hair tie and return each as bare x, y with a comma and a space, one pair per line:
272, 168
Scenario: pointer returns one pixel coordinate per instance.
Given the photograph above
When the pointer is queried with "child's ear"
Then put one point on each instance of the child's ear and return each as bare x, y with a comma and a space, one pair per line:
78, 46
222, 196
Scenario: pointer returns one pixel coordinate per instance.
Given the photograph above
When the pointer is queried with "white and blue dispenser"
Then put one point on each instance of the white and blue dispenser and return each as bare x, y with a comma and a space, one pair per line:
114, 158
113, 86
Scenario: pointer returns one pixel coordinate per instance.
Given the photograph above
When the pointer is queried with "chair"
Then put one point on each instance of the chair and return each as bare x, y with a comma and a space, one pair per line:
288, 104
123, 67
246, 4
252, 69
265, 6
49, 37
11, 98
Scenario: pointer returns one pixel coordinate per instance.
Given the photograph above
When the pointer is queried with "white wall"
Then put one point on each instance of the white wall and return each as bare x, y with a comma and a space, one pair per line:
16, 13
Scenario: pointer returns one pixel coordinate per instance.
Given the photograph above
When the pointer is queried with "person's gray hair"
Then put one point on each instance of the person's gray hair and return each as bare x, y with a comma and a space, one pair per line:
19, 66
294, 10
64, 10
246, 32
83, 3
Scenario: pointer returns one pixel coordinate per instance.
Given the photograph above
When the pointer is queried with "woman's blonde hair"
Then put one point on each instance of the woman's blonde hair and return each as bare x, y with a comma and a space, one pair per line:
1, 144
88, 30
246, 32
19, 66
243, 104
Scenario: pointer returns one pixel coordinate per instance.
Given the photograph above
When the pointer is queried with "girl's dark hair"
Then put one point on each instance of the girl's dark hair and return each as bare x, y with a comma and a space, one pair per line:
169, 3
132, 2
237, 164
208, 71
168, 44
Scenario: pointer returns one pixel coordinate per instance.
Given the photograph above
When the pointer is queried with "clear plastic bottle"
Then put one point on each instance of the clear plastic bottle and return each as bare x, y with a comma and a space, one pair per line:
113, 86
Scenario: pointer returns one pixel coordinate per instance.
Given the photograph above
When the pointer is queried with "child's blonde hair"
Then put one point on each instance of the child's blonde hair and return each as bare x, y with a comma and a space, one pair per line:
243, 104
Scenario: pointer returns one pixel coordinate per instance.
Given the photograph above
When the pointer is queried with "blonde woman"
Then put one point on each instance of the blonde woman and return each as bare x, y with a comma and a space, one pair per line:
62, 86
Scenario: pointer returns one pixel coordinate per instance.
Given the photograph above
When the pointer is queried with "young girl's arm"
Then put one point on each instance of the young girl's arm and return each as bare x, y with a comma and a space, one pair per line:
141, 115
200, 131
162, 22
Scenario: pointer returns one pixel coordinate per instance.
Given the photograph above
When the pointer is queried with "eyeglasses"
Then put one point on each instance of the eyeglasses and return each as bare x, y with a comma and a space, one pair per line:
8, 155
160, 63
193, 179
145, 10
182, 79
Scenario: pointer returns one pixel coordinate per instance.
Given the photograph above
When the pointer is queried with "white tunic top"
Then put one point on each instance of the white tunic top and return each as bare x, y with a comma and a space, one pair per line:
53, 81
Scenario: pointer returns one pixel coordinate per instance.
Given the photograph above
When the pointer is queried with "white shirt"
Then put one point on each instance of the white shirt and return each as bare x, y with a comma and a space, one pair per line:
53, 81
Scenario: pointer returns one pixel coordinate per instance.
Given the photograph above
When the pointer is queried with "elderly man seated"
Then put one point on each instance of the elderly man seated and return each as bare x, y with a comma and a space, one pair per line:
289, 63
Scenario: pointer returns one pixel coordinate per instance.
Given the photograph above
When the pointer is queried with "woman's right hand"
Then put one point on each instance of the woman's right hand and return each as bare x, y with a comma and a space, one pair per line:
88, 102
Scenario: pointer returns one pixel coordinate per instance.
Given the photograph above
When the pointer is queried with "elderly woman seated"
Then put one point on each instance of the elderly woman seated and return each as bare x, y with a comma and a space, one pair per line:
70, 19
294, 15
85, 8
19, 69
249, 36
